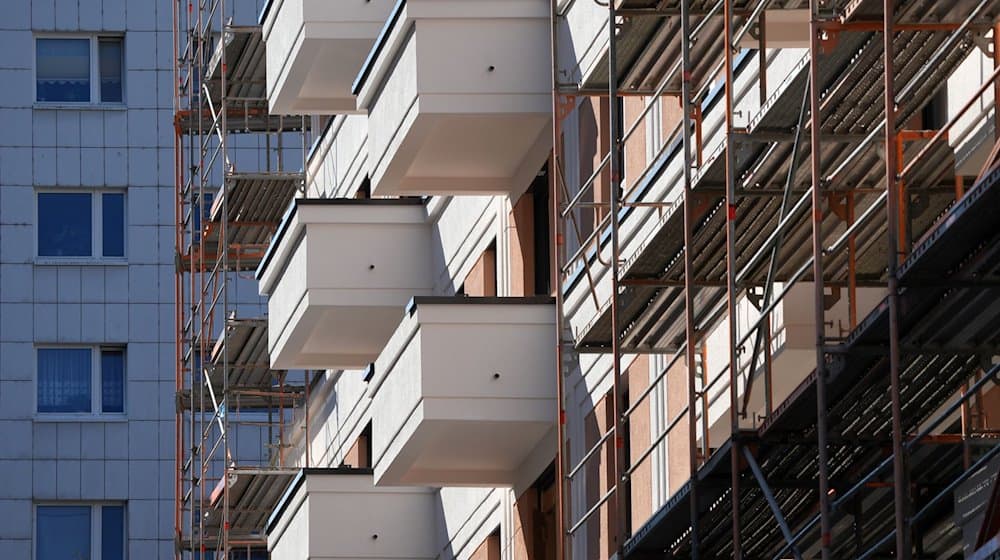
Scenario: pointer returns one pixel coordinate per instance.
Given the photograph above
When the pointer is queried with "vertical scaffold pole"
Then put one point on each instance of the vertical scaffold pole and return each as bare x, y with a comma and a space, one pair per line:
818, 291
731, 209
224, 246
179, 451
996, 83
900, 480
614, 161
556, 236
690, 349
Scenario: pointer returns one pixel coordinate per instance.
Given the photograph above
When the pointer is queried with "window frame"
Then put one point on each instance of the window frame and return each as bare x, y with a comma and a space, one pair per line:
96, 383
95, 70
96, 229
96, 523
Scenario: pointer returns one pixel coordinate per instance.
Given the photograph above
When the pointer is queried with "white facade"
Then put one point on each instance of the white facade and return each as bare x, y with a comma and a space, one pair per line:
127, 147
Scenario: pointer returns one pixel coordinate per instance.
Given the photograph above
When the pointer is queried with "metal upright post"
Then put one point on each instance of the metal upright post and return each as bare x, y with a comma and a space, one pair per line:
614, 165
996, 84
179, 334
196, 68
690, 349
734, 413
224, 247
815, 122
562, 466
900, 481
966, 421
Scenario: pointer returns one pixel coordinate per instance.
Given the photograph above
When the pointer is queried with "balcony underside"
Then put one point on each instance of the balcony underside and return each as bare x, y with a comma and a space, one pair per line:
447, 153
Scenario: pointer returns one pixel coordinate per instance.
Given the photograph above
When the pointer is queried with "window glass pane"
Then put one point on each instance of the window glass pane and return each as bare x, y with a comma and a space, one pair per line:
62, 70
113, 212
113, 533
64, 379
112, 381
65, 227
110, 57
202, 212
196, 365
62, 532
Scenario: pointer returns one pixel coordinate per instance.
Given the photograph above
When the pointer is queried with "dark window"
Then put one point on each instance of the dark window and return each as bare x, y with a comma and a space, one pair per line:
113, 216
935, 114
62, 70
201, 213
62, 532
64, 376
65, 71
65, 225
66, 379
79, 532
111, 62
112, 532
113, 381
540, 206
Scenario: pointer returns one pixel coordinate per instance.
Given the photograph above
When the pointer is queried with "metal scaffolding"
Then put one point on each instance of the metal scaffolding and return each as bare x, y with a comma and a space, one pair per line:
232, 188
835, 181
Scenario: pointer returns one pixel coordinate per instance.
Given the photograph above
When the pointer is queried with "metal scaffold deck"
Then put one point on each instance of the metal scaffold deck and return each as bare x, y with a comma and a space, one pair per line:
817, 185
238, 167
858, 397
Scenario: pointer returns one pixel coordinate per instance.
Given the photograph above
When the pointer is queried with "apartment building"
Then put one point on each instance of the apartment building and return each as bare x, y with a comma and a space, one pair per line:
86, 280
567, 280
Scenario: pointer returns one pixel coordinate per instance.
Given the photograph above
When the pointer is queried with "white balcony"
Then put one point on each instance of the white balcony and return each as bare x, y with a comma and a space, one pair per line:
339, 513
459, 98
339, 274
315, 49
783, 29
792, 347
465, 393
